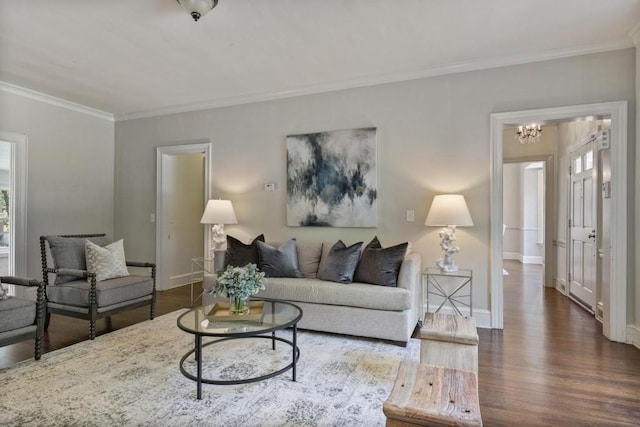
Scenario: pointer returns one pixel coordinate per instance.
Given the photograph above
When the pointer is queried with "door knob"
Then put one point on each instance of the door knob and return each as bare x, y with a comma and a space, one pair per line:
592, 235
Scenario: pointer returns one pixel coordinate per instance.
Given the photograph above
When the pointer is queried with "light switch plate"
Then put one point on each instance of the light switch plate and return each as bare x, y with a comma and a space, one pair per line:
411, 214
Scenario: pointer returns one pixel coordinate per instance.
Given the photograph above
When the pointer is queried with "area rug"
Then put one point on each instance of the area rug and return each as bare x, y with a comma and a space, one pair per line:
131, 377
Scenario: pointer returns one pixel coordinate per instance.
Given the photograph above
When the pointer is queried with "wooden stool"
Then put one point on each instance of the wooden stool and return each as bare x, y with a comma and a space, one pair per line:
426, 395
449, 341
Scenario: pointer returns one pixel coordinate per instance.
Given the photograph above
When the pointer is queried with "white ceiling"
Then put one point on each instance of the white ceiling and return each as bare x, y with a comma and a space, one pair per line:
135, 58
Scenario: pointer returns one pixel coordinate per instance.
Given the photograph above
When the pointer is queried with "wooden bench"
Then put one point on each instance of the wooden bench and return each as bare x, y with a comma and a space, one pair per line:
426, 395
449, 341
441, 390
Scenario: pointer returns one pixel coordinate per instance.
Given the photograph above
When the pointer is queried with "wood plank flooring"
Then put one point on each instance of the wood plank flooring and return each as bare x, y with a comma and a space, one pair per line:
551, 366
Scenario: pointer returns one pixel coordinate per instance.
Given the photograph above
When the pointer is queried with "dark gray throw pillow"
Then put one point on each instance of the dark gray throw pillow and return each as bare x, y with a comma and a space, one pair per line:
341, 263
68, 252
238, 254
380, 266
279, 262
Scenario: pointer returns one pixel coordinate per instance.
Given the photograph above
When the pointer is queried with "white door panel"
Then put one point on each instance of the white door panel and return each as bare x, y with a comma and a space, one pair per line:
583, 226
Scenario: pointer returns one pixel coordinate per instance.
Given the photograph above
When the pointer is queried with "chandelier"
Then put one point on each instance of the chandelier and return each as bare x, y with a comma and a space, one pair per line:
529, 134
198, 8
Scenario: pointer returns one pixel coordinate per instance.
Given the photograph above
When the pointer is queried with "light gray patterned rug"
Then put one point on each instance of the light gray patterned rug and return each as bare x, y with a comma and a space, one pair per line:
131, 377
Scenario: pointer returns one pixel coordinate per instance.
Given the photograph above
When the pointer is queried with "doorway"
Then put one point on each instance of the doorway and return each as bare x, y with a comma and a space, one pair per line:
182, 191
614, 302
13, 207
524, 216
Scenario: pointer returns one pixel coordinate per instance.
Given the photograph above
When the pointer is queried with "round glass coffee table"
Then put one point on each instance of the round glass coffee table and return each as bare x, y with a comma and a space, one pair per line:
204, 321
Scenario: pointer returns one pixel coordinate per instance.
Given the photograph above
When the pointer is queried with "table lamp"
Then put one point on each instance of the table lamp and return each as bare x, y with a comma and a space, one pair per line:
450, 211
218, 213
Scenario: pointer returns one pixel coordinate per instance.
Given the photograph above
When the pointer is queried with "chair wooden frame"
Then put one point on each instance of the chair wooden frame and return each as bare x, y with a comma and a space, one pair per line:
40, 313
92, 312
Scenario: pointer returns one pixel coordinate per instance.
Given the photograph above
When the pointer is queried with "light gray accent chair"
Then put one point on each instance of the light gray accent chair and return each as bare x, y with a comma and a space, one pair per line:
22, 319
70, 290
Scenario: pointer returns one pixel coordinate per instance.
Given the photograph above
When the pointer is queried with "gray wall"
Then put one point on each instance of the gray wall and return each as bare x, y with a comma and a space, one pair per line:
70, 170
433, 137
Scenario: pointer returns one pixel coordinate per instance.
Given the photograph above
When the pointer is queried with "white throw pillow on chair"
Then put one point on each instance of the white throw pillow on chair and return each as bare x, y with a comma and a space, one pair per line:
106, 262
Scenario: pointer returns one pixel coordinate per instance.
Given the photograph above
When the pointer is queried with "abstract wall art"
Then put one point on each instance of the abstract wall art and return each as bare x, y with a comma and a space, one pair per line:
331, 179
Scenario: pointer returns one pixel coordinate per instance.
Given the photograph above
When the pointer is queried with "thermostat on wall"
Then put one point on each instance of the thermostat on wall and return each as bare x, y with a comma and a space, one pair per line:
270, 186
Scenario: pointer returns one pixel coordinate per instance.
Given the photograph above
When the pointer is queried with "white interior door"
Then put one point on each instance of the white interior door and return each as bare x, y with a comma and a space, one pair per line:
582, 226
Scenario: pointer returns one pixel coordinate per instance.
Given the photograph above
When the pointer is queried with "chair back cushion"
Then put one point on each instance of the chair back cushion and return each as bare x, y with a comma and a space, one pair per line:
69, 252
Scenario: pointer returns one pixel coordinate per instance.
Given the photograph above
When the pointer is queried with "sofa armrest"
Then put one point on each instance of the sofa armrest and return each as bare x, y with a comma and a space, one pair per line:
409, 278
409, 275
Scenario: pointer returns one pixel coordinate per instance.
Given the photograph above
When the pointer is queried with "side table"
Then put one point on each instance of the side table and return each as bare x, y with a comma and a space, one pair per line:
452, 289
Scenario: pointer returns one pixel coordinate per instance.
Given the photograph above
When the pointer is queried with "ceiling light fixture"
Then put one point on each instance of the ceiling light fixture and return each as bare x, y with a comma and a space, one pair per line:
529, 134
198, 8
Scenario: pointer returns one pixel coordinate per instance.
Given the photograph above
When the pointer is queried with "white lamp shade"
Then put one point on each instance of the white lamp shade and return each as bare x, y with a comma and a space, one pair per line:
219, 212
449, 209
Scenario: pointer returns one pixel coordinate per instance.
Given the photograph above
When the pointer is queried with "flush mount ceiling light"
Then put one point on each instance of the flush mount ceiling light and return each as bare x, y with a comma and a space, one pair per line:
198, 8
529, 134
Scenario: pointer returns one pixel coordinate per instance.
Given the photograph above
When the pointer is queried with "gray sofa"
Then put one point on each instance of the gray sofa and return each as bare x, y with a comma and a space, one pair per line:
359, 309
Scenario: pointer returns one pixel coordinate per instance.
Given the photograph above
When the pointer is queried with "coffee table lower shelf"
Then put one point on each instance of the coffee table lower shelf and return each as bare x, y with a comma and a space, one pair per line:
198, 355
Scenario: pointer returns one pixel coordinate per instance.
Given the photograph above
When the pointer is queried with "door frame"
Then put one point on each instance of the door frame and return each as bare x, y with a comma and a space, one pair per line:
18, 206
550, 184
618, 111
188, 147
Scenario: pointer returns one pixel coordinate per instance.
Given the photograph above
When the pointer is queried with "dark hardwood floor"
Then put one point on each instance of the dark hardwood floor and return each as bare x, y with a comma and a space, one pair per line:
550, 366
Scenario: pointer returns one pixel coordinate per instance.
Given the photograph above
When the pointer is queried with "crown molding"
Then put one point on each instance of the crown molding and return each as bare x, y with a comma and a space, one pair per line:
58, 102
635, 34
476, 65
481, 64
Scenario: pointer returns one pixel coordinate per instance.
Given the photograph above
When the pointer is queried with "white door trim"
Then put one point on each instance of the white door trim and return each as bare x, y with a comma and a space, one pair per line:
18, 205
617, 313
188, 147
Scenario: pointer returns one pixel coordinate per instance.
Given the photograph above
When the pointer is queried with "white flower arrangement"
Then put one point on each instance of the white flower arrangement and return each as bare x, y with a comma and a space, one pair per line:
239, 282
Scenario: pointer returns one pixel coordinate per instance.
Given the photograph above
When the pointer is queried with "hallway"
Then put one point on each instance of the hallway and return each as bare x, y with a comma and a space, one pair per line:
551, 365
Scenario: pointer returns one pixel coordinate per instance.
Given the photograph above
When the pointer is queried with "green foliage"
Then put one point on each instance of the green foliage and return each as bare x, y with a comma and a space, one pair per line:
239, 282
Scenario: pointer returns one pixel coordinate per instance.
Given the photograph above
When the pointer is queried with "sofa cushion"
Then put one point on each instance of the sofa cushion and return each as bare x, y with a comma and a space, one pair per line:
16, 313
317, 291
279, 262
106, 262
309, 254
341, 263
380, 266
69, 252
239, 254
108, 292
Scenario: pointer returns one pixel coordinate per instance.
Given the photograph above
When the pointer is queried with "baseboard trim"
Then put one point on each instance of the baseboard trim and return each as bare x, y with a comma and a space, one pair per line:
633, 335
481, 316
523, 259
512, 255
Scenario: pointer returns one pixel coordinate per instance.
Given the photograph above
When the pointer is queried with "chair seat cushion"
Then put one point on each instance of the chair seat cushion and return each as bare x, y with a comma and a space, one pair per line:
109, 292
16, 313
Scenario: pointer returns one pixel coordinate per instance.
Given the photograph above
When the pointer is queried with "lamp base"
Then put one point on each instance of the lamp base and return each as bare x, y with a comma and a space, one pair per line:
218, 260
447, 264
448, 236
